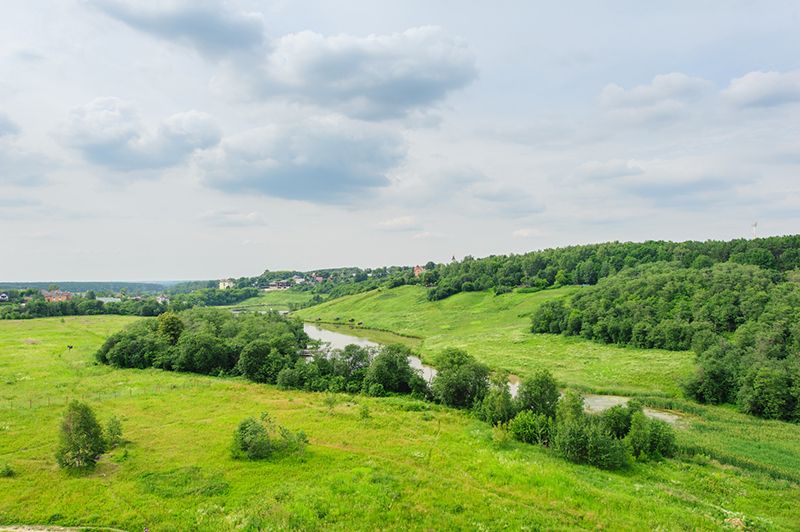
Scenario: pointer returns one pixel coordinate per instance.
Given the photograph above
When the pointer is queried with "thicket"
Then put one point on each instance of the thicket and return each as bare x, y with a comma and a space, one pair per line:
742, 321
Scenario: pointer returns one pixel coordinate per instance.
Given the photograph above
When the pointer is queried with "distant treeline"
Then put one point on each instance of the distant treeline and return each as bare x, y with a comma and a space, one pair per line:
743, 321
26, 304
585, 265
99, 287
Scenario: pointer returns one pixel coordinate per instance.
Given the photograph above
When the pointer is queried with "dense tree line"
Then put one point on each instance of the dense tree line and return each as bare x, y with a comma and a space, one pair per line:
585, 265
82, 305
743, 321
37, 307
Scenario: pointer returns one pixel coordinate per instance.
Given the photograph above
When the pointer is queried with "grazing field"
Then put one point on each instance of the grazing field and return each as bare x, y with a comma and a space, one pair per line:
408, 465
496, 329
275, 300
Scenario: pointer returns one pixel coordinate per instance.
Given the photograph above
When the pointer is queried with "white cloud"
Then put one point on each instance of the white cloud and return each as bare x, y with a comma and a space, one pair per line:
232, 218
110, 132
209, 26
401, 223
662, 99
764, 89
373, 77
599, 170
527, 232
321, 160
7, 126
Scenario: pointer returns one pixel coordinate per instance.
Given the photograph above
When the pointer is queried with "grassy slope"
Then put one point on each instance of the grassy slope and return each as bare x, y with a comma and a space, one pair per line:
496, 330
402, 468
275, 300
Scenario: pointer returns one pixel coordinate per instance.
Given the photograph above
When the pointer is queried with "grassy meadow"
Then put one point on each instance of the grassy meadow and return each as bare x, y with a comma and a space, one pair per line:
409, 465
496, 330
274, 300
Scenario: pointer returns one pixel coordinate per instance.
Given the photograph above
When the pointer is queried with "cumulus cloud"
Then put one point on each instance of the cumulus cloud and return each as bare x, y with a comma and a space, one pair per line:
7, 126
663, 98
764, 89
110, 132
209, 26
373, 77
326, 160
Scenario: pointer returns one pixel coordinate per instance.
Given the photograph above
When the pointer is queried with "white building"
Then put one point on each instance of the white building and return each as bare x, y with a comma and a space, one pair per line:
224, 284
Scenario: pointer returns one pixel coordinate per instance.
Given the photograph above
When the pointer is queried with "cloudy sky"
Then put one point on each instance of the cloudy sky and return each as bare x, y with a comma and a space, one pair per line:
148, 140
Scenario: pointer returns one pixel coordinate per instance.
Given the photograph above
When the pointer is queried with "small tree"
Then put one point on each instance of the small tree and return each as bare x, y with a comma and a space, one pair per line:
81, 438
461, 381
113, 432
539, 394
638, 437
497, 407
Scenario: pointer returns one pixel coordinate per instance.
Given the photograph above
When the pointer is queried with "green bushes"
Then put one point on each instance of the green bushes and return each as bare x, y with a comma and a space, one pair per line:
461, 380
257, 440
607, 440
529, 427
650, 438
113, 432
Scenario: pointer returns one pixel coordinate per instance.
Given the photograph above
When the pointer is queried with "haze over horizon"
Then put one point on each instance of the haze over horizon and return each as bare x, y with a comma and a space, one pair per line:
207, 139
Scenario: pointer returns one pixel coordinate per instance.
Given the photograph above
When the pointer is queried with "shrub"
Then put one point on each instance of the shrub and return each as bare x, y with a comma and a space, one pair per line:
391, 369
81, 438
603, 450
7, 471
497, 407
650, 438
617, 419
251, 441
571, 439
533, 428
539, 394
113, 432
461, 381
569, 407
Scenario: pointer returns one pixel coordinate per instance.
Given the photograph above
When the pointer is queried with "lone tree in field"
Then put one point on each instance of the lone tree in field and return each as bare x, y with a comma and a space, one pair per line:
81, 438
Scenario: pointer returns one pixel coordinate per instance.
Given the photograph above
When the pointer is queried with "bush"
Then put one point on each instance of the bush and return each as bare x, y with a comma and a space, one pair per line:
497, 407
461, 381
539, 394
390, 369
7, 471
529, 427
650, 438
603, 450
617, 419
569, 407
571, 440
251, 441
113, 432
81, 438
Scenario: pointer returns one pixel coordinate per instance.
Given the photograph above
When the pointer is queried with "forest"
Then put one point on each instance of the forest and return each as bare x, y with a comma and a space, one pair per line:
742, 321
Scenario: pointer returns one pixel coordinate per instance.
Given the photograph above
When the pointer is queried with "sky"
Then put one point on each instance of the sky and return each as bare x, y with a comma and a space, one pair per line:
199, 139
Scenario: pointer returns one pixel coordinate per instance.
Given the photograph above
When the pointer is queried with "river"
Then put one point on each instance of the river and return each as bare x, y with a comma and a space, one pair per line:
593, 402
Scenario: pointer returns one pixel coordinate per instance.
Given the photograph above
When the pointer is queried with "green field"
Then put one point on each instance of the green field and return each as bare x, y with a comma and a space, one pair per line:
411, 465
496, 330
275, 300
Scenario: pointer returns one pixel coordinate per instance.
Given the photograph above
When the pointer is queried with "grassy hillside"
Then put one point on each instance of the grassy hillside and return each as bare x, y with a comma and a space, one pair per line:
410, 465
275, 300
496, 329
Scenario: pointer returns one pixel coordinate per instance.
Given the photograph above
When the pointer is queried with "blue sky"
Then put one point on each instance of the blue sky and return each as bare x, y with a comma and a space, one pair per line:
200, 139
